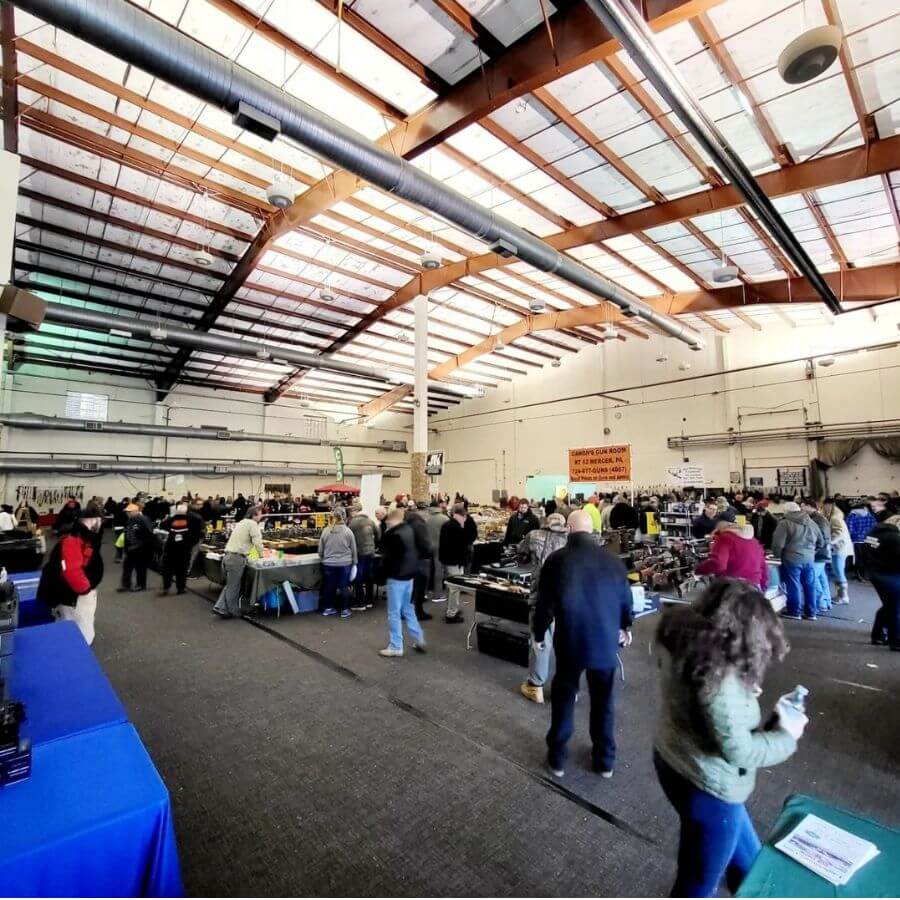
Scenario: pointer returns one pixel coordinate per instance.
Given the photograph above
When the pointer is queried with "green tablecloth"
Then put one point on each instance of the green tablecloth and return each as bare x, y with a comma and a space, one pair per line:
776, 875
258, 580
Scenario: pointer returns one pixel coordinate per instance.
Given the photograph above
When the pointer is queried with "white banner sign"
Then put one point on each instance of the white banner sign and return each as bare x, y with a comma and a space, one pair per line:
370, 493
686, 476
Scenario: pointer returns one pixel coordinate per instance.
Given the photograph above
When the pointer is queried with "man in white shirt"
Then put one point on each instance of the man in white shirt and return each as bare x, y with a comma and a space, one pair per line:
245, 537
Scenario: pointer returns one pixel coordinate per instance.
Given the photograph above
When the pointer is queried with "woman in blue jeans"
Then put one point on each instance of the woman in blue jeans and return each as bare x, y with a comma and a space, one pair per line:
337, 551
709, 742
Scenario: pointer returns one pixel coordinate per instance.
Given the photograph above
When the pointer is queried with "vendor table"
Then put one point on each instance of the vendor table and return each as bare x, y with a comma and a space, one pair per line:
776, 875
93, 820
305, 573
61, 684
31, 610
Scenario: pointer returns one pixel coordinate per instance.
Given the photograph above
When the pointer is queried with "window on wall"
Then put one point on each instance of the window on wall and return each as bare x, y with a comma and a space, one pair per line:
81, 405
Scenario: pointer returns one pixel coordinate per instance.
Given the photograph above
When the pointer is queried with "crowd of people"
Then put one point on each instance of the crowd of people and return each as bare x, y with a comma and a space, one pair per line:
710, 738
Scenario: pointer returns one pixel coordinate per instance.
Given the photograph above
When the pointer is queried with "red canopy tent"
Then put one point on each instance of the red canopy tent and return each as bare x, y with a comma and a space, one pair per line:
337, 488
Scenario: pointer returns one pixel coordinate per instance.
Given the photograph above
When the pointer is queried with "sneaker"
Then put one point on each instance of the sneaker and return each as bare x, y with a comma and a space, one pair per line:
557, 773
810, 618
390, 651
424, 616
370, 606
606, 773
123, 590
420, 647
222, 614
532, 692
345, 613
454, 620
331, 611
438, 599
842, 600
358, 608
785, 615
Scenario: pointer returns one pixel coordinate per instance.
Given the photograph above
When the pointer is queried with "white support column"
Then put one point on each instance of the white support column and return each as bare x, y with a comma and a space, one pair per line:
419, 482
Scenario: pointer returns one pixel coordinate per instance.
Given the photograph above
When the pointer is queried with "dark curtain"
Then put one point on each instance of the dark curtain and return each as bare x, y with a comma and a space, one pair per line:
888, 447
837, 452
831, 453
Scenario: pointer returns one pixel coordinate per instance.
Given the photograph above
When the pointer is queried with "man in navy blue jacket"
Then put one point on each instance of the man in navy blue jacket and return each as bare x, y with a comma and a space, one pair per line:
585, 590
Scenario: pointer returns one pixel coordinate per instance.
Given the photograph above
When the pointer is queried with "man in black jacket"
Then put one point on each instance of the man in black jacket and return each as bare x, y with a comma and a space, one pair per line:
584, 590
400, 561
139, 543
453, 552
184, 529
623, 515
883, 566
520, 523
425, 549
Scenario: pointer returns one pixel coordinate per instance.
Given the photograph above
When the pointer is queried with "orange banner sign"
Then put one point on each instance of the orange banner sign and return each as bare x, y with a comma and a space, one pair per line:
600, 463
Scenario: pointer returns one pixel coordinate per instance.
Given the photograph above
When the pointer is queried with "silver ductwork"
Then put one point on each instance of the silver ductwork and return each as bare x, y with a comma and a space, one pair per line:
140, 39
178, 336
140, 467
56, 423
623, 21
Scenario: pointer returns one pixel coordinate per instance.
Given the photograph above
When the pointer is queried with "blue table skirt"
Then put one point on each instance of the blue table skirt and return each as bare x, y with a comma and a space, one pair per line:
61, 684
92, 821
31, 611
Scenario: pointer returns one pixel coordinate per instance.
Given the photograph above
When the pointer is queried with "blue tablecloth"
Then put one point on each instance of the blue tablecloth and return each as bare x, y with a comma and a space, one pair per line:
31, 612
61, 684
92, 821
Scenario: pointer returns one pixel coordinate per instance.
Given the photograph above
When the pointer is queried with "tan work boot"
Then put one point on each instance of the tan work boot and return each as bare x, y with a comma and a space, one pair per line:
532, 692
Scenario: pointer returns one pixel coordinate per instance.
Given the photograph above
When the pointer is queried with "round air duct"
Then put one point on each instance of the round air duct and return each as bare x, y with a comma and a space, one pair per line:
203, 258
722, 274
282, 192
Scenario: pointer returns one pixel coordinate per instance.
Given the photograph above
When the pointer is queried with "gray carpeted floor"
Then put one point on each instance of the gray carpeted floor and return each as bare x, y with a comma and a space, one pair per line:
300, 762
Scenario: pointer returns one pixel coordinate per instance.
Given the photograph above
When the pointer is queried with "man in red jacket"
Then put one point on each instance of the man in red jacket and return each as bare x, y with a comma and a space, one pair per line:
73, 570
736, 554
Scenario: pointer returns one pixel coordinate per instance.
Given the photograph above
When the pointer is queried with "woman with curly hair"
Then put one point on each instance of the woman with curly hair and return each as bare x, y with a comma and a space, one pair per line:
709, 743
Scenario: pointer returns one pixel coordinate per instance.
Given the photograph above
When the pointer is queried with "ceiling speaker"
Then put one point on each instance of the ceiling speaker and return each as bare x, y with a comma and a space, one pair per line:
809, 55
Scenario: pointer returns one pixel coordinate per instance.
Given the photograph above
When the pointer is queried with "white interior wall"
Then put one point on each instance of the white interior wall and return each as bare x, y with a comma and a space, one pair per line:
41, 390
526, 427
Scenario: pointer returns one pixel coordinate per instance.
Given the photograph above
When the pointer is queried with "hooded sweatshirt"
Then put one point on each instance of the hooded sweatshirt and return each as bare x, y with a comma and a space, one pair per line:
797, 539
737, 554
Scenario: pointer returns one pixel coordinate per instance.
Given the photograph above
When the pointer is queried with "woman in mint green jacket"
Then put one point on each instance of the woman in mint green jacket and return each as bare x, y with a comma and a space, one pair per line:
709, 742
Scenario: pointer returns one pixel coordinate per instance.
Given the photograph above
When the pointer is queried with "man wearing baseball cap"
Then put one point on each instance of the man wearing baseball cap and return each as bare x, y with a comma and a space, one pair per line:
139, 540
73, 570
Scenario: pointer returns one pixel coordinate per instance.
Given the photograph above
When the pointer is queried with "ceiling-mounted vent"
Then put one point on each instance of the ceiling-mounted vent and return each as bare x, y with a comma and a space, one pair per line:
90, 467
223, 435
93, 426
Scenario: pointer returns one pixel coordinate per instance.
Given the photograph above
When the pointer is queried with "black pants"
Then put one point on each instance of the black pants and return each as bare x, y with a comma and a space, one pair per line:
175, 566
601, 683
420, 583
886, 626
137, 561
364, 586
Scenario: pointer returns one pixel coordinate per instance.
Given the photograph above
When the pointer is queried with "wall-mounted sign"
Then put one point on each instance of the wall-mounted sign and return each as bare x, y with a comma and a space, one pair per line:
339, 464
600, 463
434, 463
686, 475
50, 497
793, 477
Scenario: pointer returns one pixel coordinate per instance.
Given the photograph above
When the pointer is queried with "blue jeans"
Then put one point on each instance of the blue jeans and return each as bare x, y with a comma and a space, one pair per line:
335, 587
823, 587
601, 684
717, 838
539, 660
838, 566
800, 587
399, 610
887, 619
